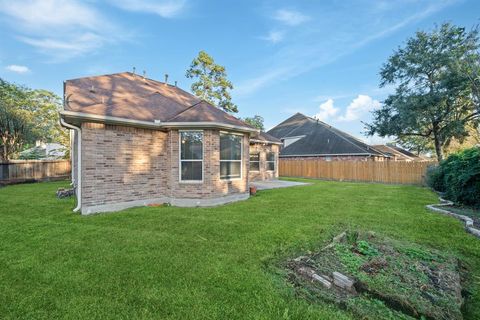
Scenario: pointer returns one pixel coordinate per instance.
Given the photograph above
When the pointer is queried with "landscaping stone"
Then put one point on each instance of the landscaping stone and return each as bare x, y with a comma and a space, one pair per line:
310, 274
65, 193
327, 284
467, 220
342, 281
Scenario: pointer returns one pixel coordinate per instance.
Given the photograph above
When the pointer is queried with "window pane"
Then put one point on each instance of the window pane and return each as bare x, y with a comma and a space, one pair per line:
271, 166
255, 166
191, 145
254, 157
270, 156
230, 169
230, 147
191, 170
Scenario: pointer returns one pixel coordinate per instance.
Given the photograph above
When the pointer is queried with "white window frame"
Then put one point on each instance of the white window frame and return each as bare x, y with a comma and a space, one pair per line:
241, 155
192, 160
250, 161
274, 162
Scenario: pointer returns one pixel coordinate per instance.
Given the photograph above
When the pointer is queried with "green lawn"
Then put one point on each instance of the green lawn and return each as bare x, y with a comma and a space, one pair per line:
208, 263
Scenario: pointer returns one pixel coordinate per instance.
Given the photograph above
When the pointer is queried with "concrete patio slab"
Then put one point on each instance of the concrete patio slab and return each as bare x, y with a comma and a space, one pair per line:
275, 184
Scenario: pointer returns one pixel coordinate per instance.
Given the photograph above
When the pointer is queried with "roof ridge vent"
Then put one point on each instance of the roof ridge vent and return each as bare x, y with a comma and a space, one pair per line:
166, 78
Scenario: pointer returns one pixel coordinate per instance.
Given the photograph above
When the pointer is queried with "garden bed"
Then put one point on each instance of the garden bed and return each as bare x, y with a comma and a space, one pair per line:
380, 278
465, 211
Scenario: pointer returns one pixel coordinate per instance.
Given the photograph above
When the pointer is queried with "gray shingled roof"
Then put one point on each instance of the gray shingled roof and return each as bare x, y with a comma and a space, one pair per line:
265, 138
317, 138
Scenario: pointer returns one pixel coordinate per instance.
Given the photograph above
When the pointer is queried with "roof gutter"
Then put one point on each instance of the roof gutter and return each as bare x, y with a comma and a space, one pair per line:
78, 181
154, 125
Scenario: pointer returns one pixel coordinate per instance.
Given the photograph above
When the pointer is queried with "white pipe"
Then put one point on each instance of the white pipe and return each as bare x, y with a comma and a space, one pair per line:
72, 155
79, 162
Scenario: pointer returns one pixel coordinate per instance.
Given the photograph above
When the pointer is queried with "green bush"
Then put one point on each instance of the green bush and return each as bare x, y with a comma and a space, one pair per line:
459, 177
435, 178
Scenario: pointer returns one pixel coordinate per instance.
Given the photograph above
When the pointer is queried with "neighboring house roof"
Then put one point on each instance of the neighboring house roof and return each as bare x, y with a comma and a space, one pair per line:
305, 136
397, 152
263, 137
140, 100
48, 151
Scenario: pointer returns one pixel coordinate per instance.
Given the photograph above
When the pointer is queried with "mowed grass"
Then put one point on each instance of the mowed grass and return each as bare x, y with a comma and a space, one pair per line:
199, 263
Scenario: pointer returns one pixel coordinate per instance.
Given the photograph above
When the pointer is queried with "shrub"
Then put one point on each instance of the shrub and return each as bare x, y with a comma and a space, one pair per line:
435, 178
459, 177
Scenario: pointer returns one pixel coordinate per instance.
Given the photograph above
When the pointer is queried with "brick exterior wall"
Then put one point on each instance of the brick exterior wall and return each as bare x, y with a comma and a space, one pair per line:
263, 173
122, 164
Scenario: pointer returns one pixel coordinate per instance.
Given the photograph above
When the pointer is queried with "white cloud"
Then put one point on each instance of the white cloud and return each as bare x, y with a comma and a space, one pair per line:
302, 54
273, 36
327, 110
165, 9
290, 17
17, 68
61, 29
254, 84
47, 14
359, 108
66, 48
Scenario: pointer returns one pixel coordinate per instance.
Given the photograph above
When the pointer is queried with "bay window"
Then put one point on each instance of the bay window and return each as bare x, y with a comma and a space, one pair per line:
230, 156
191, 156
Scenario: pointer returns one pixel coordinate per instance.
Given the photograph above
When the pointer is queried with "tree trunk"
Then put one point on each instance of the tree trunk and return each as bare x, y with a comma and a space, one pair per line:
438, 145
4, 155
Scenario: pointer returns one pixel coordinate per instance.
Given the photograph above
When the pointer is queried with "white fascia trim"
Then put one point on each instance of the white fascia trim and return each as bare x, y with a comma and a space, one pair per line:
293, 137
265, 142
157, 125
208, 125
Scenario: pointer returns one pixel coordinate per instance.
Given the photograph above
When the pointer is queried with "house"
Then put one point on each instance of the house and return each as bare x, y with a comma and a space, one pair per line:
45, 151
139, 142
305, 137
396, 153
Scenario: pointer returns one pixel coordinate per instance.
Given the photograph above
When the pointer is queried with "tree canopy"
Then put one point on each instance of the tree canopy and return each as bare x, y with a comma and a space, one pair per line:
212, 84
27, 116
256, 121
436, 88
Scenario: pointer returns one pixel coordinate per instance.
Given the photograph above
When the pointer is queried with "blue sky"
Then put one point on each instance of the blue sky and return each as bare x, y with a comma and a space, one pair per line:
316, 57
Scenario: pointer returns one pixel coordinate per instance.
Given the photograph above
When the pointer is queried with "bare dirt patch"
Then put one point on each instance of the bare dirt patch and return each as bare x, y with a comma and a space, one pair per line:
379, 278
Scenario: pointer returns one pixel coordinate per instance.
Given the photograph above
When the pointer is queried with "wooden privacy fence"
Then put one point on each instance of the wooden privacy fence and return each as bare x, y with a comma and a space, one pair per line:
367, 171
17, 171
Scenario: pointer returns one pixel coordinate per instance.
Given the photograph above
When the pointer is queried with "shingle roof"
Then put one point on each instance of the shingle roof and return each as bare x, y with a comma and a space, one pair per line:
397, 152
129, 96
310, 137
266, 138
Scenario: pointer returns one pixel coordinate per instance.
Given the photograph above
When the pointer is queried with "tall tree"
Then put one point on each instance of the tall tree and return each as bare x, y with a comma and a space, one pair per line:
212, 84
27, 116
417, 145
434, 75
256, 121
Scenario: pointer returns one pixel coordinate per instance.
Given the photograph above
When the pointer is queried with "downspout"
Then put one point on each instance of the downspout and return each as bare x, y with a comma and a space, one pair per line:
79, 162
72, 155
